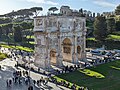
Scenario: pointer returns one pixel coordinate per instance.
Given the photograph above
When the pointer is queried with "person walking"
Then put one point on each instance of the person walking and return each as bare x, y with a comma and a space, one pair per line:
7, 82
30, 88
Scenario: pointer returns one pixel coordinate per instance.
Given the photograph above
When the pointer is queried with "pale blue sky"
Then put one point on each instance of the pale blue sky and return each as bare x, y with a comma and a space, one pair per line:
92, 5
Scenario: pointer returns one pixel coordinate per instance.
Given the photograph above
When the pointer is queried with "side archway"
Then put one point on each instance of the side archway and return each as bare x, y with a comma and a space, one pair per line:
53, 57
67, 50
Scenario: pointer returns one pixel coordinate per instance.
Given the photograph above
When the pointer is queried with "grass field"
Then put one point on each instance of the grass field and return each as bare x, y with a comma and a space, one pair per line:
114, 37
3, 56
102, 77
110, 37
93, 39
29, 37
18, 47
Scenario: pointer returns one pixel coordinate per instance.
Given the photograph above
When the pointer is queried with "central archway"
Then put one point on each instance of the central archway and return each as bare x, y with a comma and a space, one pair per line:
66, 50
53, 57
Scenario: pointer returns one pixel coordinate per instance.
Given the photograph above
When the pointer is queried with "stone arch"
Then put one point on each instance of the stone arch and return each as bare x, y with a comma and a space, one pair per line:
79, 51
53, 56
67, 50
63, 38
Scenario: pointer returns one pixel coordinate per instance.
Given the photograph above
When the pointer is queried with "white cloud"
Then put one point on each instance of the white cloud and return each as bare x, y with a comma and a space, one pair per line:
103, 3
43, 2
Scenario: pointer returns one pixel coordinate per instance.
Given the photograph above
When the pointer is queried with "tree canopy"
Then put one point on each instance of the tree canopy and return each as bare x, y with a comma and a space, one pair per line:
100, 28
110, 25
36, 10
53, 9
17, 33
117, 10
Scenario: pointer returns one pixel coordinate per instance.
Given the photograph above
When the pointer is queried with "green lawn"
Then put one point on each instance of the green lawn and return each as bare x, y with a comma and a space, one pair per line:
103, 77
3, 56
92, 39
31, 42
114, 37
29, 37
110, 37
18, 47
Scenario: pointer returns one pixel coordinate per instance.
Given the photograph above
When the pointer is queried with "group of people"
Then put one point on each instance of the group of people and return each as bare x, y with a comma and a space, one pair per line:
41, 81
100, 61
67, 84
19, 77
67, 69
22, 77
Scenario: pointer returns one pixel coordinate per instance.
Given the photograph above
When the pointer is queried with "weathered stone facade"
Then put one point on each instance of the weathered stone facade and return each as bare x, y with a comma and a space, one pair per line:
59, 38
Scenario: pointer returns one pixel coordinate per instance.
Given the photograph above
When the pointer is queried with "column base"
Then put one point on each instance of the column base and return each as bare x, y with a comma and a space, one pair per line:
75, 59
42, 63
60, 61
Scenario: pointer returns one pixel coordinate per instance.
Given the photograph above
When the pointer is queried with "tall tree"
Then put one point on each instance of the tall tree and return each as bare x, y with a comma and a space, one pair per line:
25, 25
100, 28
17, 33
85, 12
5, 20
53, 9
36, 10
111, 25
5, 29
89, 13
117, 10
24, 13
11, 14
81, 11
93, 14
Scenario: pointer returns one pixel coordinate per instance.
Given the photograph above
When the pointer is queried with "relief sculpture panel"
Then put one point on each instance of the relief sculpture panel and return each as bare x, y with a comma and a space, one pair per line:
39, 22
67, 50
51, 22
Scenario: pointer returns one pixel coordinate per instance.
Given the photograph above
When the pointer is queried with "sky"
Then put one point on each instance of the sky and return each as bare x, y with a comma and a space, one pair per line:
97, 6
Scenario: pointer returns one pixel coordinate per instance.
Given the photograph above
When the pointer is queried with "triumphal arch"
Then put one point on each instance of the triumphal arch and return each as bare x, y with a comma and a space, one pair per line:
58, 39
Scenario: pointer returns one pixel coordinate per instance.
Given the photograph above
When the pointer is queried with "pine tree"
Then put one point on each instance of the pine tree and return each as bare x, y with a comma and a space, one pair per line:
17, 33
117, 10
111, 25
100, 28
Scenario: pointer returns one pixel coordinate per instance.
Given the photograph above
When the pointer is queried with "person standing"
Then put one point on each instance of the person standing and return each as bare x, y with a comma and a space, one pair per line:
30, 88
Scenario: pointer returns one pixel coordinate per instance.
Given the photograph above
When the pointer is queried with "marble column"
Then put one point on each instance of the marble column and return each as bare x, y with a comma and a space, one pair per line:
75, 54
59, 51
47, 59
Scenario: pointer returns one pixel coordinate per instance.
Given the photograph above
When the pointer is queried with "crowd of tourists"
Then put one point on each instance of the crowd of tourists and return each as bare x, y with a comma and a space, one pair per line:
98, 61
67, 69
22, 77
67, 84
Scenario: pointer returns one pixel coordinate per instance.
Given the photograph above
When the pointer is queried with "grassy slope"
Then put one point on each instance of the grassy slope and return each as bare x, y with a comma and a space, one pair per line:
110, 81
3, 56
111, 37
18, 47
114, 37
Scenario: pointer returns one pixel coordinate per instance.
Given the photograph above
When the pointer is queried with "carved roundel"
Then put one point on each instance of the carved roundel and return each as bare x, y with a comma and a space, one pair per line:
39, 22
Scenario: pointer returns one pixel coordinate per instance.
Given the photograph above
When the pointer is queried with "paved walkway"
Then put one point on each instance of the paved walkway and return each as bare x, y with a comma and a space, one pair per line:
8, 68
7, 72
